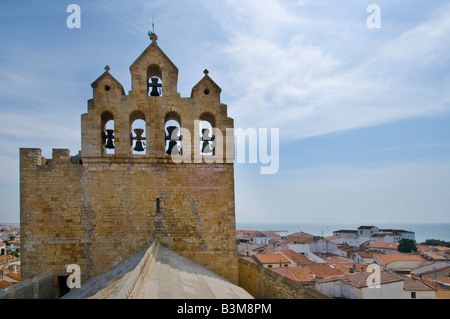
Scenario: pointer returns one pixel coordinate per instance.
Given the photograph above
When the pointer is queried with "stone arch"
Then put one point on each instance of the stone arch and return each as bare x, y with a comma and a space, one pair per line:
154, 87
207, 124
172, 129
107, 132
208, 117
138, 133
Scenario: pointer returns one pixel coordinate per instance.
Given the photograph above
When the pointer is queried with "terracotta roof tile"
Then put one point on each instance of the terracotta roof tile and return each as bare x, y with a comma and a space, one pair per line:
301, 238
437, 255
271, 258
245, 232
359, 280
411, 284
334, 259
285, 272
4, 283
325, 271
346, 268
383, 245
431, 268
444, 281
14, 276
365, 254
389, 258
302, 274
296, 258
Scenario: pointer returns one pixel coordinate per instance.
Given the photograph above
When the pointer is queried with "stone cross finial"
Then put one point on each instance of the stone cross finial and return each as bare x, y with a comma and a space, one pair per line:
107, 68
206, 72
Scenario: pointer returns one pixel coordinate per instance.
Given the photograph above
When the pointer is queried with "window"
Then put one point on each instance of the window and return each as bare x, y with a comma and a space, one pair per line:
158, 205
413, 295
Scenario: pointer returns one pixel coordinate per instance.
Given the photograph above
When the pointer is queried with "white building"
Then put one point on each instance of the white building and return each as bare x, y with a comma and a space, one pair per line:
350, 240
367, 231
304, 250
402, 234
324, 246
370, 233
346, 233
358, 286
364, 257
400, 262
387, 237
262, 237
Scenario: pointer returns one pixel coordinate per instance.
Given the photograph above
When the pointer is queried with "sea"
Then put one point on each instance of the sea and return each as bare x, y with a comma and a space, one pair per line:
422, 232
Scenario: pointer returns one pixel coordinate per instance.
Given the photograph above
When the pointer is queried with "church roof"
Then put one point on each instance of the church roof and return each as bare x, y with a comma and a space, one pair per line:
158, 273
106, 74
207, 79
152, 47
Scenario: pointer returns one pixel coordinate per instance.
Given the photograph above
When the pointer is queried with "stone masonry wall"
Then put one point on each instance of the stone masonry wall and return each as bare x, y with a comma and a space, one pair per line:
195, 219
97, 214
264, 283
41, 287
53, 232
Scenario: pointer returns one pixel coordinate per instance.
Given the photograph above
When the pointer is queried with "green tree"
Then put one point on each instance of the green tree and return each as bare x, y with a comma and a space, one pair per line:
407, 246
436, 242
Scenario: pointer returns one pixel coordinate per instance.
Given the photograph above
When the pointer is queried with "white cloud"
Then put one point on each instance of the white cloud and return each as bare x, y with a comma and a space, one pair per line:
307, 90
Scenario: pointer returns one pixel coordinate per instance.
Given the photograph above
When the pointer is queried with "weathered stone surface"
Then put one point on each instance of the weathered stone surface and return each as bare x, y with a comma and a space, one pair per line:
158, 273
97, 209
263, 283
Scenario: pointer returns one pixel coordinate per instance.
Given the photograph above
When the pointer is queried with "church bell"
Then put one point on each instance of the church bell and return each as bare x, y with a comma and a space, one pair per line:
207, 147
109, 139
173, 139
170, 149
139, 145
154, 85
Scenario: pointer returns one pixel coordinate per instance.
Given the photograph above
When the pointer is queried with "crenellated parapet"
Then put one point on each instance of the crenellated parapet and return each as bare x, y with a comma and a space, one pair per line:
33, 157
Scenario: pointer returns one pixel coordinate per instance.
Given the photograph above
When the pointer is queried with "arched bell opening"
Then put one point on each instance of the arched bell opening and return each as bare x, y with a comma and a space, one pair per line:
172, 130
138, 133
154, 80
108, 139
206, 125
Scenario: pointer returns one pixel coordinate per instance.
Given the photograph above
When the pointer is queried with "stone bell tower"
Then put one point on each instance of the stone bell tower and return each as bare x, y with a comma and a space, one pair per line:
148, 169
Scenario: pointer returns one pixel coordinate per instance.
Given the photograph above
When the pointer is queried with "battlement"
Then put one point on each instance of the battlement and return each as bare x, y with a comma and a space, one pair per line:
33, 156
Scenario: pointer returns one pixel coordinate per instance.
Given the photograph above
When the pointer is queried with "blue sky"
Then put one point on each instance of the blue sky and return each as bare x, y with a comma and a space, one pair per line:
364, 114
